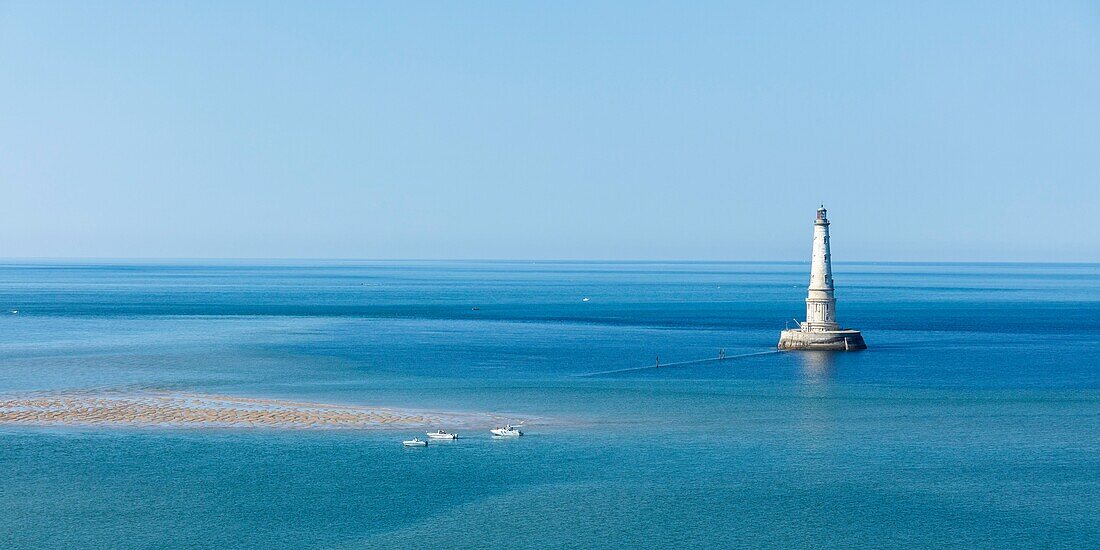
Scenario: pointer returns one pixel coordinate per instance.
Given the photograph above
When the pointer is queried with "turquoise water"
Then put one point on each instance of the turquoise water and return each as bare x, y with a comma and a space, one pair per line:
972, 420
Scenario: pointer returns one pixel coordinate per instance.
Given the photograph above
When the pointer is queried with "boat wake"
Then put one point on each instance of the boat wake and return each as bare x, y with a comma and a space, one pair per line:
677, 364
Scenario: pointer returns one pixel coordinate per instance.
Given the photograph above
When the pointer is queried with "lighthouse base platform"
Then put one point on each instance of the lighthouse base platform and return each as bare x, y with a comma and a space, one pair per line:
836, 340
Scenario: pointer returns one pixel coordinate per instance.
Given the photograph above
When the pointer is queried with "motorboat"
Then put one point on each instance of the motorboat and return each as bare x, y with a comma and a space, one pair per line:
441, 434
507, 431
415, 442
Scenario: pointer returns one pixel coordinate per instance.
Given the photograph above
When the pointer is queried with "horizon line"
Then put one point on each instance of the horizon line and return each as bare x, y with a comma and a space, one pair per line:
139, 259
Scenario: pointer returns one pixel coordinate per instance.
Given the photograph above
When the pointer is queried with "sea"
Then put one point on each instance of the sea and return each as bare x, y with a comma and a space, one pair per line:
972, 421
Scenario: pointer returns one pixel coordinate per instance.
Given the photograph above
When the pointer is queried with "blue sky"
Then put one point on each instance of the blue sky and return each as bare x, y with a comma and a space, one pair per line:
612, 130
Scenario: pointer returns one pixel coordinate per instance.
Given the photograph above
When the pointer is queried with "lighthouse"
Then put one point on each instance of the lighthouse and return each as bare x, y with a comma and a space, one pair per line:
820, 331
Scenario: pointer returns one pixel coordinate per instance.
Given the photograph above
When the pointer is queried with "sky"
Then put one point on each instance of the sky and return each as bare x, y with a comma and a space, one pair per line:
933, 131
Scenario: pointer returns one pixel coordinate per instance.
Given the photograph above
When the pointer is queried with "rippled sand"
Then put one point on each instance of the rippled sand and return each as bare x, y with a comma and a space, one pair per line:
173, 409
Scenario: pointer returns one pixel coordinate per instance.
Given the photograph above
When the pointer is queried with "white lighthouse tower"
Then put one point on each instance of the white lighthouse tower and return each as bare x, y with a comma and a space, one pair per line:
820, 303
820, 330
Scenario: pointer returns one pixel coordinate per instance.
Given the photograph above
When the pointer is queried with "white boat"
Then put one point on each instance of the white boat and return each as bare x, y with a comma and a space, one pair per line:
440, 434
507, 431
584, 299
415, 442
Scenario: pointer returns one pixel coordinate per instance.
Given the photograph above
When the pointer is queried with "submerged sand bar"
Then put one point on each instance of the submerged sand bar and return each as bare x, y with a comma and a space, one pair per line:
175, 409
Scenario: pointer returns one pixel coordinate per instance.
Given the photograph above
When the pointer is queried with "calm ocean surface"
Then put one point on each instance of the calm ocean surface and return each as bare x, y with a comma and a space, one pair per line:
972, 421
